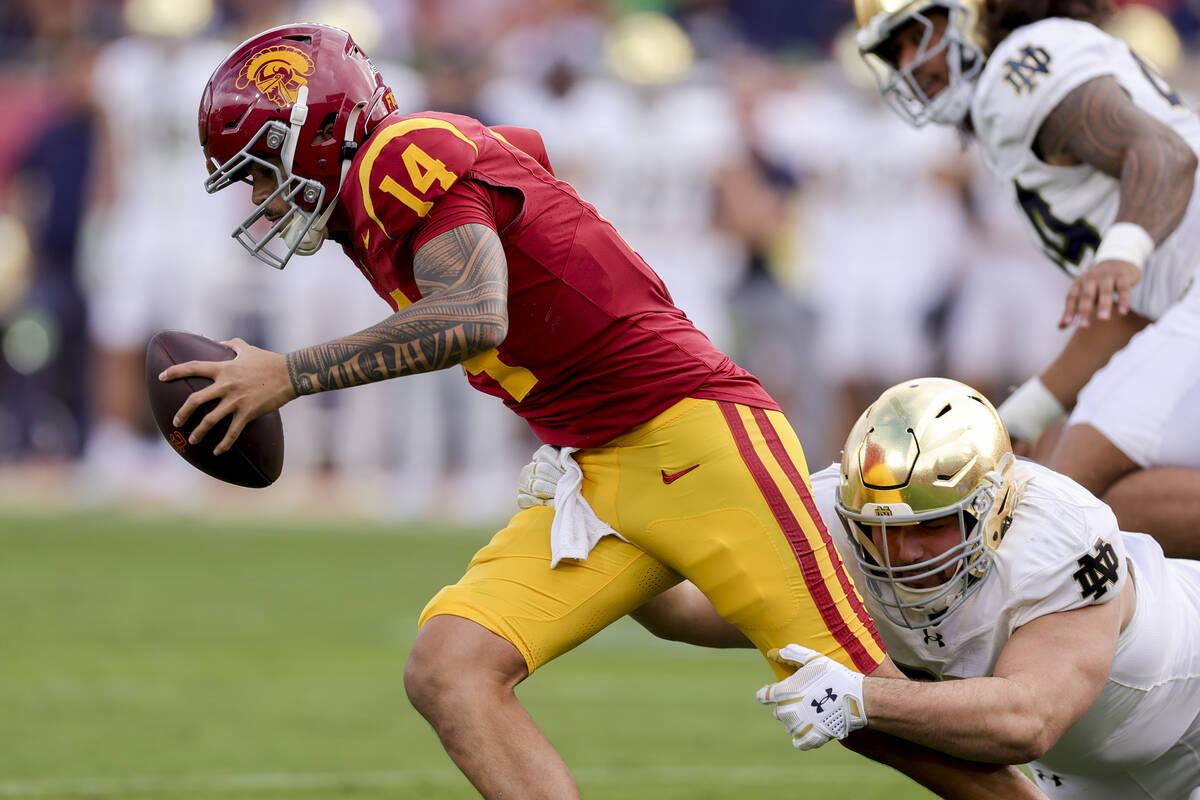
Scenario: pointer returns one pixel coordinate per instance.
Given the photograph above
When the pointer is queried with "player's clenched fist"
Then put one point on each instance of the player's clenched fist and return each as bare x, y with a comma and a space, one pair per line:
822, 700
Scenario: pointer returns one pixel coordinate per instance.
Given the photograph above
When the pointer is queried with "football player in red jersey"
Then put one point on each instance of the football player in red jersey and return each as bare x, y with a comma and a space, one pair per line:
490, 262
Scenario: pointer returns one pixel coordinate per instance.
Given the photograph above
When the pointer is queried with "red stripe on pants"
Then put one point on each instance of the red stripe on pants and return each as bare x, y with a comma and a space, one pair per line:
813, 580
775, 444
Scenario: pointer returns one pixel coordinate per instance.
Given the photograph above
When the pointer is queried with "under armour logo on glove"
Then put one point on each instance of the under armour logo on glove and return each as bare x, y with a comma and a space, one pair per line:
821, 700
828, 698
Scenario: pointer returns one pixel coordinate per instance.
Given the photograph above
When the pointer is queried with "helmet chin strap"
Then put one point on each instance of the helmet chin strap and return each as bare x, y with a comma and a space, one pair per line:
315, 234
297, 119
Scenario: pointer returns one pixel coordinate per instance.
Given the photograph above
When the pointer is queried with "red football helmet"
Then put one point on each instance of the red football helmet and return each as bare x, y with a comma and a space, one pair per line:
299, 100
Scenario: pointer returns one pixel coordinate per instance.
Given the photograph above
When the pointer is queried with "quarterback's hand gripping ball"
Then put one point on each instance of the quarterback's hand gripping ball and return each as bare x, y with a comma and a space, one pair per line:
256, 458
822, 700
539, 478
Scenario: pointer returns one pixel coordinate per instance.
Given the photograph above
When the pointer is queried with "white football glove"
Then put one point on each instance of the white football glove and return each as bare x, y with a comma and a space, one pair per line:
820, 701
539, 478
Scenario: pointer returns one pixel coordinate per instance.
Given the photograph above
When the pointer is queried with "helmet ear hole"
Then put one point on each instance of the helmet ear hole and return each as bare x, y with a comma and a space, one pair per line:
324, 131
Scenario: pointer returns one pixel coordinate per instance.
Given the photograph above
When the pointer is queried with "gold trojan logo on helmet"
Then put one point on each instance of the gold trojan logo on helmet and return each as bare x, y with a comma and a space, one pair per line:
277, 72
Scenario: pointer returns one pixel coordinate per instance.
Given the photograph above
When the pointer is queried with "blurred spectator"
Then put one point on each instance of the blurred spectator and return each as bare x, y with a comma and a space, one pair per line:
756, 202
43, 374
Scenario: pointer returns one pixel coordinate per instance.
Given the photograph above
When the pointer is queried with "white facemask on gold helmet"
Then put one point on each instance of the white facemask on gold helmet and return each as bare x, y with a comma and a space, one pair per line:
927, 449
962, 43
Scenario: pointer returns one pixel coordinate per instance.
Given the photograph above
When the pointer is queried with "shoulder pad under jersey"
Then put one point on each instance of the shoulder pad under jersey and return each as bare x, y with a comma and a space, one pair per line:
527, 141
408, 164
1027, 76
1064, 549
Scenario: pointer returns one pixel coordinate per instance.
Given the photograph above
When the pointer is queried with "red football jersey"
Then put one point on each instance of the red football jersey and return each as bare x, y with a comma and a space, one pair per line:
595, 345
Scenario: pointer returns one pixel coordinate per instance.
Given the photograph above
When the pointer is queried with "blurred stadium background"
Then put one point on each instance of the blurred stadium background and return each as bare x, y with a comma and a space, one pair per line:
167, 636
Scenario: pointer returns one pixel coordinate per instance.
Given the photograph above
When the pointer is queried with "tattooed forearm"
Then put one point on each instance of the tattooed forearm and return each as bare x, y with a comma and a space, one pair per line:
463, 280
1098, 124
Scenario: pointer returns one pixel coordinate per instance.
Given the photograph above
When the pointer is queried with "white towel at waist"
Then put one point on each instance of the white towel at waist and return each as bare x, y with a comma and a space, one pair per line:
576, 528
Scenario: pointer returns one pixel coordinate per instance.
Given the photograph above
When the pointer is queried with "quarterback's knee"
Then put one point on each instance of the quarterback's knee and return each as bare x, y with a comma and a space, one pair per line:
455, 662
426, 679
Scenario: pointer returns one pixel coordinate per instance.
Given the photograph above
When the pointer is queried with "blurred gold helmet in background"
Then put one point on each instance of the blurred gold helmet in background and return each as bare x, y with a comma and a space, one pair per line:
962, 43
925, 450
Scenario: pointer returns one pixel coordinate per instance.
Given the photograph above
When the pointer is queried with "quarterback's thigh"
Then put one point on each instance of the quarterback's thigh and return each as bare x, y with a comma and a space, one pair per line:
719, 492
510, 589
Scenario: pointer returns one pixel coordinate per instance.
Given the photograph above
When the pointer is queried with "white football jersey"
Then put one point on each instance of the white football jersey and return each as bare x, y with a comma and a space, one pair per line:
1062, 552
1068, 209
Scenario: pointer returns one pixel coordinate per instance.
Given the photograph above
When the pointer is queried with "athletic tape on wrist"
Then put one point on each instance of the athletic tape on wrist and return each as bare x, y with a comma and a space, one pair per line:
1125, 241
1029, 409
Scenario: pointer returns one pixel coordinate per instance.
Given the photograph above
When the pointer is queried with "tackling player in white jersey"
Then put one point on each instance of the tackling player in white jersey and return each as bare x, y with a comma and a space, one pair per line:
1078, 645
1101, 156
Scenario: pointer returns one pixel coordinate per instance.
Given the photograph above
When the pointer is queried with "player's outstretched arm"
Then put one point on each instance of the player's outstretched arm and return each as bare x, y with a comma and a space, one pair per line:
1098, 124
1047, 677
824, 700
463, 311
463, 278
1049, 674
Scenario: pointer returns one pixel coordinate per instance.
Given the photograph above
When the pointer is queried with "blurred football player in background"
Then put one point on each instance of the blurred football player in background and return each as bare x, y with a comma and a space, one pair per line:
490, 262
1077, 645
864, 164
1101, 155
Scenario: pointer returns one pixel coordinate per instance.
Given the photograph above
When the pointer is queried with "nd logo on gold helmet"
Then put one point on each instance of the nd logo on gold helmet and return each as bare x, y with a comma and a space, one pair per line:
277, 72
928, 449
926, 443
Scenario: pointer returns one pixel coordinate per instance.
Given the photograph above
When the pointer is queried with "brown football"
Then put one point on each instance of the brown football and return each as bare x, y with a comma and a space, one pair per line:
256, 458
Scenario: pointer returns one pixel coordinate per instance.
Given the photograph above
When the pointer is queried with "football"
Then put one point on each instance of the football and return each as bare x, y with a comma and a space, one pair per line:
256, 458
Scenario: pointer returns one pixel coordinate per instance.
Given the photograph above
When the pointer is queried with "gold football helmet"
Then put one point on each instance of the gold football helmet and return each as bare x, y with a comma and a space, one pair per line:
962, 43
927, 449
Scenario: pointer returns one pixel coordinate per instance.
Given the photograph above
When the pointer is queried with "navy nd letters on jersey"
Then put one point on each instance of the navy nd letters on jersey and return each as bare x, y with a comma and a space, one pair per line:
1022, 74
1097, 570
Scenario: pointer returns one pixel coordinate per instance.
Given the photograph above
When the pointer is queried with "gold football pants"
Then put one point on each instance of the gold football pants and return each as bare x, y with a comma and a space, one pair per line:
711, 491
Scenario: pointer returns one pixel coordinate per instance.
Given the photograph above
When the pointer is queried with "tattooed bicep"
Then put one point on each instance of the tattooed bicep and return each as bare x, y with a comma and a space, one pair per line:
467, 256
1095, 123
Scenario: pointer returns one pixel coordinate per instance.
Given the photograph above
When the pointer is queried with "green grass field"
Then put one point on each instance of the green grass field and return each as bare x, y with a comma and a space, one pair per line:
178, 657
